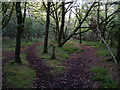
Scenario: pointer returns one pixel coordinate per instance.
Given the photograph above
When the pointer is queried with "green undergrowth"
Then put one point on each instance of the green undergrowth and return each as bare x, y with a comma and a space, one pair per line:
103, 53
102, 75
94, 44
99, 70
19, 75
61, 54
102, 48
9, 44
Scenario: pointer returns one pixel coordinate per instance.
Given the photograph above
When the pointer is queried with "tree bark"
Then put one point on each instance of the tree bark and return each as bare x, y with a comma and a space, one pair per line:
118, 47
62, 24
45, 49
80, 37
104, 30
19, 30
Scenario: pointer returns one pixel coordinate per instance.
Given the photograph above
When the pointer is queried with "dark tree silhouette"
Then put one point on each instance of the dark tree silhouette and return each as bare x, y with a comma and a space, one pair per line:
118, 47
45, 49
20, 28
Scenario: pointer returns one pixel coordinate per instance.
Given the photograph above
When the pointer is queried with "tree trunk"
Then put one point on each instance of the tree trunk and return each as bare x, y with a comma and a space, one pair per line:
62, 24
45, 49
57, 30
80, 37
104, 30
19, 30
118, 47
18, 46
53, 53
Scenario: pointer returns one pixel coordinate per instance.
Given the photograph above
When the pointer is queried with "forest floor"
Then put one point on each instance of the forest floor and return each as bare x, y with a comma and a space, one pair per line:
77, 73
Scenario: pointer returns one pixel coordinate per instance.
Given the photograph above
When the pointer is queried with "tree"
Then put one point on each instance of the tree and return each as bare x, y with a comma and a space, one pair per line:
45, 49
78, 27
118, 47
20, 29
62, 23
7, 12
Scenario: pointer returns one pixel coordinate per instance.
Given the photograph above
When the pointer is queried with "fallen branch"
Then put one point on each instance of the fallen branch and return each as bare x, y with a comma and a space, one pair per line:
99, 33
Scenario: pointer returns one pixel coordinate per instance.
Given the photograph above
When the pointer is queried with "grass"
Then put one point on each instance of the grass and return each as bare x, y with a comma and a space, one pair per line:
57, 70
103, 53
99, 70
102, 48
94, 44
102, 75
19, 76
109, 85
61, 54
9, 44
70, 47
98, 77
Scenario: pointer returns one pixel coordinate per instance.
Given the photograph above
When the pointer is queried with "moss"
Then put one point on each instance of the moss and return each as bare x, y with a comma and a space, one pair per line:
99, 70
19, 75
103, 53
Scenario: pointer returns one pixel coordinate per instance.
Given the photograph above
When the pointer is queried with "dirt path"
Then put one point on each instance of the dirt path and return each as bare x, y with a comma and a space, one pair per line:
76, 75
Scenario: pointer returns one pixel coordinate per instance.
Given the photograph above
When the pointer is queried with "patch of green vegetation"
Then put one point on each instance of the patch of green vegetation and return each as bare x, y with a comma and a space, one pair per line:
57, 69
103, 53
8, 49
102, 48
82, 50
45, 56
101, 75
53, 63
9, 44
108, 79
19, 75
61, 54
99, 70
56, 65
98, 77
94, 44
109, 85
70, 47
24, 44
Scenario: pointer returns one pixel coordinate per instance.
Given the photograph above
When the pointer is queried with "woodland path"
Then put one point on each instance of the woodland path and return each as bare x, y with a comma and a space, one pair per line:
76, 74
